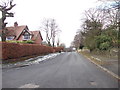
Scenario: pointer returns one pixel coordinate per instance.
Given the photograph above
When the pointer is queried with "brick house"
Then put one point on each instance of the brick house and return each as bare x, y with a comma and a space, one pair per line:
22, 33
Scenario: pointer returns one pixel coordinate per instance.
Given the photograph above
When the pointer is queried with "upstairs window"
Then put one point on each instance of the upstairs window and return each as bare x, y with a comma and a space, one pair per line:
27, 36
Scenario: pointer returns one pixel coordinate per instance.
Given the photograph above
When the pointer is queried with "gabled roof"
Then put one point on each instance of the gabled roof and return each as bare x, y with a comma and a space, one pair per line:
17, 30
35, 34
14, 31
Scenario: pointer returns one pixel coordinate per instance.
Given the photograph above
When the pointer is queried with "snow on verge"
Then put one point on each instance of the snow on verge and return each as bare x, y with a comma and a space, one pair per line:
43, 58
30, 61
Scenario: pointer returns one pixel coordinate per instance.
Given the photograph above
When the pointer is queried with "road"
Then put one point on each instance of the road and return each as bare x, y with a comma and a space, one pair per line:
67, 70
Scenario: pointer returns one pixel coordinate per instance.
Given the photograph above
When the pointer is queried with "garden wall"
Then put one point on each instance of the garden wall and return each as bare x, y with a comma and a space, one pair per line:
14, 50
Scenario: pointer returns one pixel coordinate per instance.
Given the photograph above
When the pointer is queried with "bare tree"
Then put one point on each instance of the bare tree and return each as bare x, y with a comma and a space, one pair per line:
102, 15
55, 30
63, 45
5, 7
78, 40
58, 42
113, 10
51, 29
46, 28
97, 21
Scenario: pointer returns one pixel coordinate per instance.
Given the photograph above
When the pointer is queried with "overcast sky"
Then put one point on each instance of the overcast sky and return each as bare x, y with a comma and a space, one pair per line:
68, 15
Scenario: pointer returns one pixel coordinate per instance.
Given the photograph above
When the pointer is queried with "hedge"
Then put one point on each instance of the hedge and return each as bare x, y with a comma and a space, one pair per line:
15, 50
57, 49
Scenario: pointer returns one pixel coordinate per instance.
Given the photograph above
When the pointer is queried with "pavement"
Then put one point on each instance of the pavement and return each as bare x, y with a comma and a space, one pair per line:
66, 70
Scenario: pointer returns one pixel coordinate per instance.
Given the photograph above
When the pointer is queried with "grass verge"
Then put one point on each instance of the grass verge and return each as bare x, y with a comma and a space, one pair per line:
99, 64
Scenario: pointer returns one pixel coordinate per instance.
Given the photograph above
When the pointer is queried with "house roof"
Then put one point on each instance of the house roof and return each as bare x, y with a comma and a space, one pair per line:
14, 31
17, 31
35, 34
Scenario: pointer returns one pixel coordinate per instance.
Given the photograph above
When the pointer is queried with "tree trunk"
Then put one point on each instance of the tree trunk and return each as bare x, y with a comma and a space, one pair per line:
3, 37
5, 13
49, 44
53, 44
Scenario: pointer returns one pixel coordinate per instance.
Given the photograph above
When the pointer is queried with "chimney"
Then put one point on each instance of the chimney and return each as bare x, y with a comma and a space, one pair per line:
15, 24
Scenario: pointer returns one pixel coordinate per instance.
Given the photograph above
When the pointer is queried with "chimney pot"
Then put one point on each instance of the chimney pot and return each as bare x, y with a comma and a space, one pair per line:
15, 24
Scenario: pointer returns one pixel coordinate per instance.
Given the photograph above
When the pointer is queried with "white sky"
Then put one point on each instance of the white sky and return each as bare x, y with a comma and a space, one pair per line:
68, 15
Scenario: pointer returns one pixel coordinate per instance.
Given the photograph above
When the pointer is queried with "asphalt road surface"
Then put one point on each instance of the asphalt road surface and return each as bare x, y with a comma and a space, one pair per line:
67, 70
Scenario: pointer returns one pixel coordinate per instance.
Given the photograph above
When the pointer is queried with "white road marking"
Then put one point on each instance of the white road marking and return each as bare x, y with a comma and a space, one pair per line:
30, 85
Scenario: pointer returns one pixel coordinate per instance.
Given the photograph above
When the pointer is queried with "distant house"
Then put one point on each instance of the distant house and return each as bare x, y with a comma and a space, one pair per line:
22, 33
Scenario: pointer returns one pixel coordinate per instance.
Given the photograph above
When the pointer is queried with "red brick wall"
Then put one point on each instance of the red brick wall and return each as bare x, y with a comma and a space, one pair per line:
14, 50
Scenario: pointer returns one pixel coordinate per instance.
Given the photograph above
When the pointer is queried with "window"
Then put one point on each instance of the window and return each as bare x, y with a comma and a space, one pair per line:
10, 38
26, 36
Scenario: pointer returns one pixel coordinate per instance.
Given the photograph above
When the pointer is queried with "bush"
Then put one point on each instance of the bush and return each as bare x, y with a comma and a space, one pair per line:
103, 38
104, 46
29, 42
90, 43
118, 43
58, 49
103, 42
20, 41
26, 42
81, 46
11, 41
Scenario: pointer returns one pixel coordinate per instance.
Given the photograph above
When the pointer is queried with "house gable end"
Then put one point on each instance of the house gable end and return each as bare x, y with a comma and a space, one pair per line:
40, 36
23, 30
38, 39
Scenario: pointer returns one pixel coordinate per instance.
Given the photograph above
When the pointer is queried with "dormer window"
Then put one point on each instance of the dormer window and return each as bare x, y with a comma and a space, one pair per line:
10, 38
26, 36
